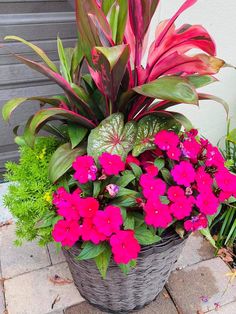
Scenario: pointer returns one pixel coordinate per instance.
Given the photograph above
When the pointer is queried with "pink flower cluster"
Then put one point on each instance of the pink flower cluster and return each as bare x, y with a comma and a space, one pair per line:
83, 219
198, 182
189, 186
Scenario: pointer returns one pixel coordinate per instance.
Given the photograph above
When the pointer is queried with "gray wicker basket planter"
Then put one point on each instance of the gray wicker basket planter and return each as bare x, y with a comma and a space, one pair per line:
120, 293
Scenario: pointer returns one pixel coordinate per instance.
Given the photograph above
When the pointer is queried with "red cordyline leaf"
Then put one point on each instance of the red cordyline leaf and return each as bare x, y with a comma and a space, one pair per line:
139, 18
89, 27
180, 63
58, 79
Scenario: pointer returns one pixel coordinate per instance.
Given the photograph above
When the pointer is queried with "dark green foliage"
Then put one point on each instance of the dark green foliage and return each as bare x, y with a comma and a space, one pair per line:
30, 194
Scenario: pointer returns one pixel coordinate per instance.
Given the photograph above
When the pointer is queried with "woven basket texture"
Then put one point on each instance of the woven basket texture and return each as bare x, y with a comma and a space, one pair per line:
120, 293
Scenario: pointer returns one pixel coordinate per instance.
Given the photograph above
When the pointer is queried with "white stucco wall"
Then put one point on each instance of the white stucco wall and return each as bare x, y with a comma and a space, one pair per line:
219, 18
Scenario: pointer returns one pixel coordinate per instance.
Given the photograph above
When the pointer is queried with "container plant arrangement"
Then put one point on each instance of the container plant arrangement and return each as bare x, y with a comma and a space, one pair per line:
131, 177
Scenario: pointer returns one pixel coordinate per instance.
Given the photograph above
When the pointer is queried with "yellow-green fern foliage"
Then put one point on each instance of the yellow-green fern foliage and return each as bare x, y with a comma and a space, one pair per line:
29, 198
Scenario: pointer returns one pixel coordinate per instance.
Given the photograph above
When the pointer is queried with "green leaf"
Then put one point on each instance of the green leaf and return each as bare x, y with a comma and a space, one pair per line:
167, 176
65, 67
125, 201
44, 115
76, 58
159, 163
123, 212
201, 80
145, 236
76, 134
96, 188
173, 88
91, 250
113, 20
103, 261
112, 136
232, 136
62, 160
122, 19
148, 127
206, 233
129, 222
123, 180
126, 192
106, 5
11, 105
125, 268
36, 49
136, 170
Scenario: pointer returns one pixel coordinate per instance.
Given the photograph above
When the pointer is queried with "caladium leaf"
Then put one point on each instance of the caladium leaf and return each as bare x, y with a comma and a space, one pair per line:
110, 65
173, 88
112, 136
62, 160
148, 127
37, 50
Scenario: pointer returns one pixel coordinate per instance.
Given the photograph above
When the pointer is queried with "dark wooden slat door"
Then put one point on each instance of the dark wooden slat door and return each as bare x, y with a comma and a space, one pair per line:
38, 21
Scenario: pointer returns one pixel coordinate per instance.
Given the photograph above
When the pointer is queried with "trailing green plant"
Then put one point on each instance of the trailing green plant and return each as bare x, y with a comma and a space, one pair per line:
29, 197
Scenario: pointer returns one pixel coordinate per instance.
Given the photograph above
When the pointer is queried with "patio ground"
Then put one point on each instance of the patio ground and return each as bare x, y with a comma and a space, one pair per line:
37, 280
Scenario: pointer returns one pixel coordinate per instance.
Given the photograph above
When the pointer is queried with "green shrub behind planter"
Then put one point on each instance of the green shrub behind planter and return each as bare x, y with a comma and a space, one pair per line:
29, 196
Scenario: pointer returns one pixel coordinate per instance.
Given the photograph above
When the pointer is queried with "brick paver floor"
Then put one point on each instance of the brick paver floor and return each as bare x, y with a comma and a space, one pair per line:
37, 280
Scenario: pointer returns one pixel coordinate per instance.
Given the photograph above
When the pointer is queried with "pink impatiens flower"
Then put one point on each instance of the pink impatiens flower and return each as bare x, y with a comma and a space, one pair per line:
90, 232
157, 214
225, 180
125, 246
111, 164
207, 203
204, 180
88, 207
184, 173
196, 223
174, 153
182, 207
191, 148
66, 232
166, 139
174, 193
152, 187
67, 204
152, 170
85, 169
214, 157
108, 221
